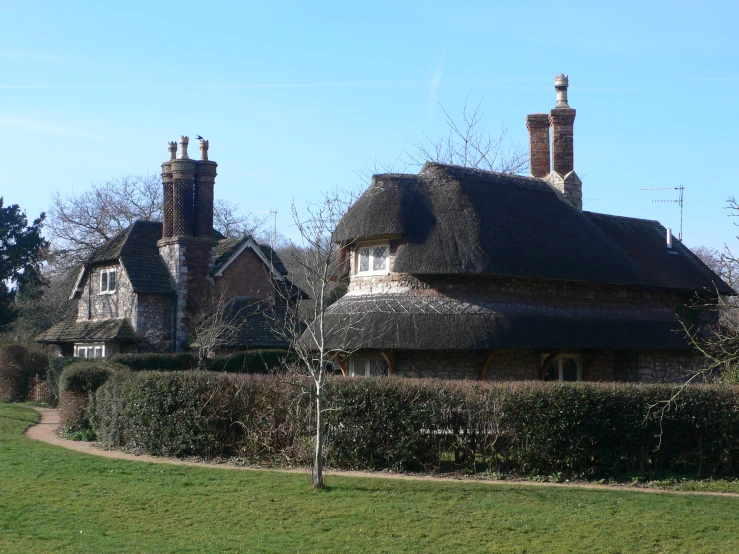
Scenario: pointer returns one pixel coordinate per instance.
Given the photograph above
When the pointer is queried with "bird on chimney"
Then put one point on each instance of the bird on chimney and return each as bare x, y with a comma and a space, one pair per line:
199, 137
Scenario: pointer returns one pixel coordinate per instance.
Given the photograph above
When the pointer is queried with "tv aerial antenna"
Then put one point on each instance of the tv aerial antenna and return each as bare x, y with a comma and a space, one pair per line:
273, 213
679, 191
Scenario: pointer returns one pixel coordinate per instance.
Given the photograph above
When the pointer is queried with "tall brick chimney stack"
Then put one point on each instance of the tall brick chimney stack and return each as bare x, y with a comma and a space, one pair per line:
167, 195
205, 179
187, 247
562, 120
538, 126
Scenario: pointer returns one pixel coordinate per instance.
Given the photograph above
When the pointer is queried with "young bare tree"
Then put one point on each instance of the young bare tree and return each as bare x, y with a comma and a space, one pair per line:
316, 337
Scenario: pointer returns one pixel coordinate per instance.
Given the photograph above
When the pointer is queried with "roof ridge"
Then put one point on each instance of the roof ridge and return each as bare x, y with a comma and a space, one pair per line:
624, 217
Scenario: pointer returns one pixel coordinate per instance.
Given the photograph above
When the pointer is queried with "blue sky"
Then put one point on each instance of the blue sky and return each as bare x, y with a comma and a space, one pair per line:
298, 97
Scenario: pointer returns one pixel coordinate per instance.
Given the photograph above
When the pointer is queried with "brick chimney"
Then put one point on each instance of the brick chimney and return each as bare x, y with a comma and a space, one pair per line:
205, 178
562, 120
538, 126
187, 246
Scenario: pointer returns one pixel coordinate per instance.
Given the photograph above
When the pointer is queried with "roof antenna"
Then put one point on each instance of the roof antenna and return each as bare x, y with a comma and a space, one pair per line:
679, 200
274, 235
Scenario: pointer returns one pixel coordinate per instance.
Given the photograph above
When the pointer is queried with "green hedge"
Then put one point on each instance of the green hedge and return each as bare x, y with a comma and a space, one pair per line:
571, 430
53, 372
77, 385
252, 361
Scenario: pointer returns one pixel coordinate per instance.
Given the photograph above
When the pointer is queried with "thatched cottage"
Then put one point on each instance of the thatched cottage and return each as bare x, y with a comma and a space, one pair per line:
137, 291
467, 274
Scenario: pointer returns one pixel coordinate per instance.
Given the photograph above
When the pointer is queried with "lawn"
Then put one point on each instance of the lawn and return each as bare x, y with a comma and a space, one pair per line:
52, 499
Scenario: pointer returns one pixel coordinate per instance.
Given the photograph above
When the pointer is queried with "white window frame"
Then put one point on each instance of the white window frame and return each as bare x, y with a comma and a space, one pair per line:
108, 272
559, 358
90, 350
361, 367
371, 247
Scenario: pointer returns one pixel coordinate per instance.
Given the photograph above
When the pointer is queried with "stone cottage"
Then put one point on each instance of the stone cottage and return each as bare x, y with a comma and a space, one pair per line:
136, 292
467, 274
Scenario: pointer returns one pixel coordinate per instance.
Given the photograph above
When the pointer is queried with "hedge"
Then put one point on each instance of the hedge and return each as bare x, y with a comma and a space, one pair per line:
77, 385
18, 365
251, 361
53, 372
572, 430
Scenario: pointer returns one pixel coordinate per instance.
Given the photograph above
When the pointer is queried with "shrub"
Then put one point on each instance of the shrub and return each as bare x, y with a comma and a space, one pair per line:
77, 385
13, 375
572, 430
18, 365
201, 414
53, 372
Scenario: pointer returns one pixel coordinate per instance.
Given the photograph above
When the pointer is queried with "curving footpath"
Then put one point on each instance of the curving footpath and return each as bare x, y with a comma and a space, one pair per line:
45, 431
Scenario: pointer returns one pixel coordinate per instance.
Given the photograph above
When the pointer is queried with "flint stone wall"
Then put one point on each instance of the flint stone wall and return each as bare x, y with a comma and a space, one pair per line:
522, 364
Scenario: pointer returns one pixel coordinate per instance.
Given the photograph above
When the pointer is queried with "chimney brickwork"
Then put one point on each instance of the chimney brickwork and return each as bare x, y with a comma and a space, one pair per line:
187, 246
538, 126
563, 138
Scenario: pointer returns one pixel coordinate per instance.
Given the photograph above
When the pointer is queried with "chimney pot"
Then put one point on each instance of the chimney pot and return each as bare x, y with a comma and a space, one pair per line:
184, 141
172, 147
669, 238
561, 82
204, 150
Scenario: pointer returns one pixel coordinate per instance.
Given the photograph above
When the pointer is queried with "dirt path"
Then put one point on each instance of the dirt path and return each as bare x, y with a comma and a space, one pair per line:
45, 431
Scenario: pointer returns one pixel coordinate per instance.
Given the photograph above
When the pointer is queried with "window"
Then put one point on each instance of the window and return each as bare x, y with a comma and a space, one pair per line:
367, 367
565, 367
373, 259
93, 350
107, 281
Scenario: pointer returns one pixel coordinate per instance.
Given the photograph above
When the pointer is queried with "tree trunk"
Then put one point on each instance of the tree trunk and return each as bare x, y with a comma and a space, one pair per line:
318, 482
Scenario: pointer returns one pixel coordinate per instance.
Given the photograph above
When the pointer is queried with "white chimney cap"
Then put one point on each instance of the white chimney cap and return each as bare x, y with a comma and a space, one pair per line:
669, 238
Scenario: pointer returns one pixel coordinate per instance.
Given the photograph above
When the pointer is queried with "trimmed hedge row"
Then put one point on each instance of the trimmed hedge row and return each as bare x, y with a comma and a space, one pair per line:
574, 430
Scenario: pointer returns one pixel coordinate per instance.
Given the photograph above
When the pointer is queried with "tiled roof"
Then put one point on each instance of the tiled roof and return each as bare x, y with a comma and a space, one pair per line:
88, 331
644, 241
136, 248
228, 247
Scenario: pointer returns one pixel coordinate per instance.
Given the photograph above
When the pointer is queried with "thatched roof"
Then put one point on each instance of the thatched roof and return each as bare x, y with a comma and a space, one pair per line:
89, 331
457, 221
440, 322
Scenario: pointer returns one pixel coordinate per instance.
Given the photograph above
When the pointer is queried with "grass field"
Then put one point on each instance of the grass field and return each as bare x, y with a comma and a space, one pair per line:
52, 499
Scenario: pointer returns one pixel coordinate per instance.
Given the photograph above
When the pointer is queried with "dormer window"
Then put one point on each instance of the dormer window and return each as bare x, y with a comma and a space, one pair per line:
373, 259
107, 281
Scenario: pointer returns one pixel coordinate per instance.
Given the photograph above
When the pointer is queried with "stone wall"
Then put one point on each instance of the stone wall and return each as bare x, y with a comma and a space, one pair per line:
523, 364
94, 305
154, 319
479, 287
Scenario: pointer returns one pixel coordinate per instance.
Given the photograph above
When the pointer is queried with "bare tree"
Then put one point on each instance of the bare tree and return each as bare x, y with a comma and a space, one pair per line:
79, 223
466, 143
316, 339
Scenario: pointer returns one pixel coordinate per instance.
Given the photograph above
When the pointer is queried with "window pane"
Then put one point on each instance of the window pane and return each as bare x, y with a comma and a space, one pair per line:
111, 281
98, 352
378, 367
569, 369
364, 259
104, 281
82, 352
379, 258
